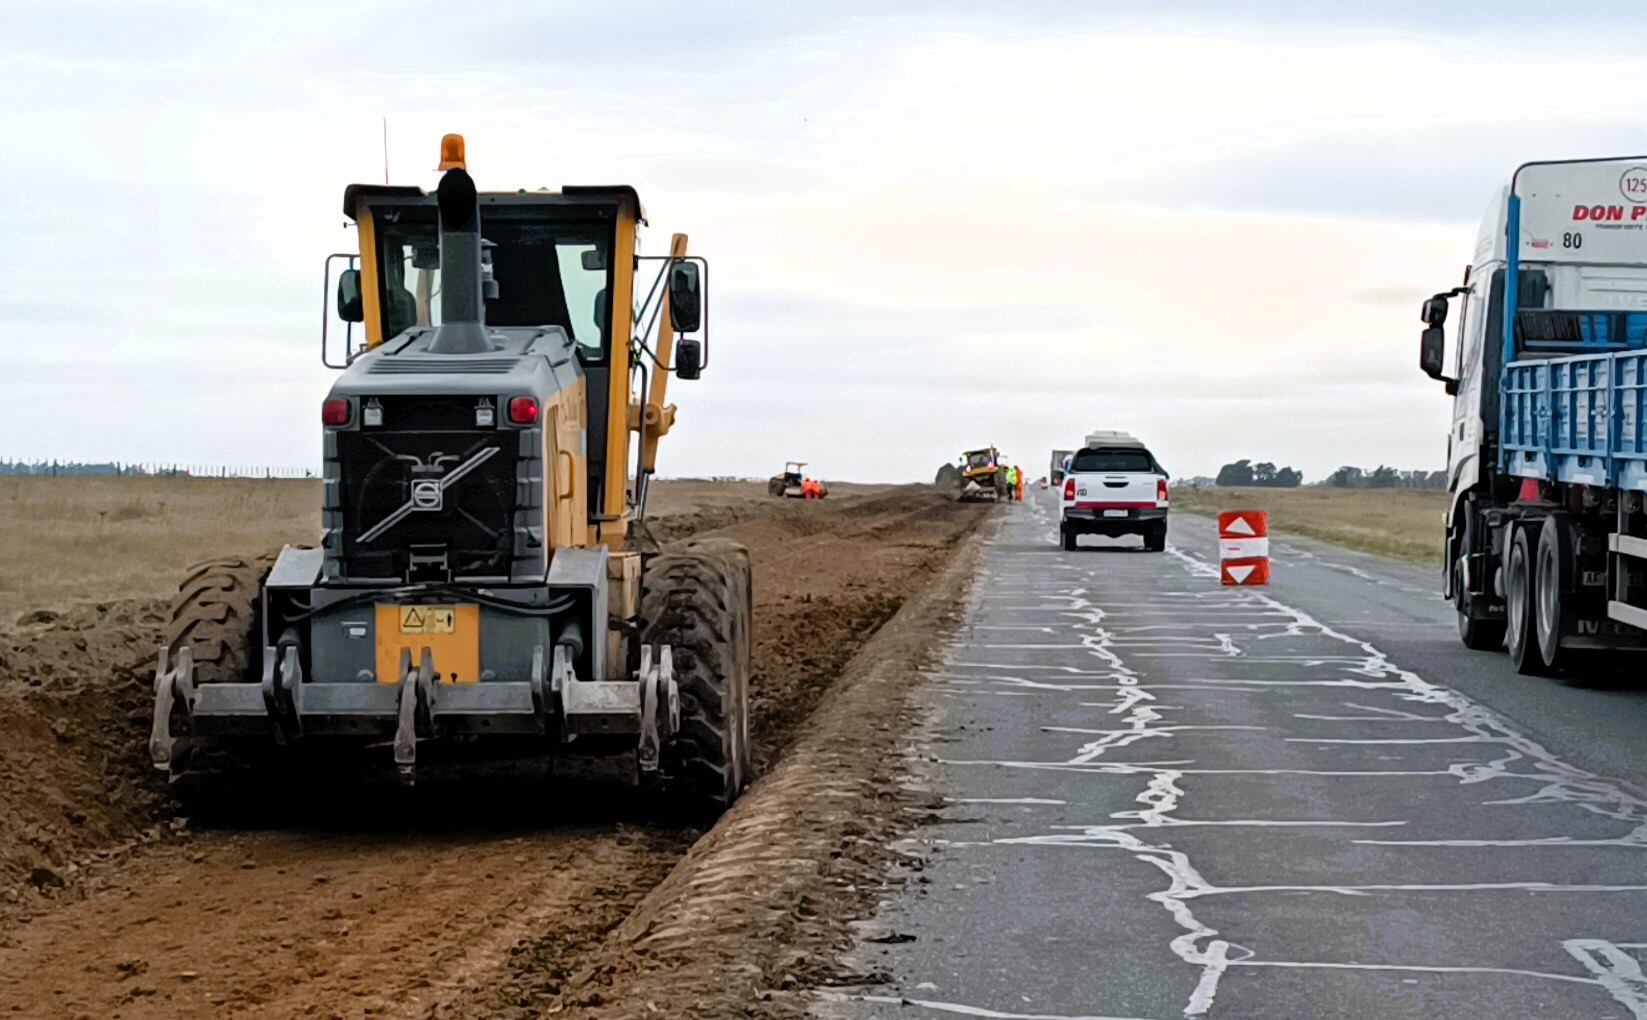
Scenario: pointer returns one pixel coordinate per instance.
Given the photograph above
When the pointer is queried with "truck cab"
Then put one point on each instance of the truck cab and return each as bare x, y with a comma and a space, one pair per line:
1114, 487
1541, 402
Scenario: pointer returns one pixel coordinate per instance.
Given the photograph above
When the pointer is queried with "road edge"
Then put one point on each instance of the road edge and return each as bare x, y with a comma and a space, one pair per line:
762, 906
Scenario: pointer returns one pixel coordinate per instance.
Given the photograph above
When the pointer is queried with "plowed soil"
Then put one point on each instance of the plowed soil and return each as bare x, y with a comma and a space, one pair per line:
469, 895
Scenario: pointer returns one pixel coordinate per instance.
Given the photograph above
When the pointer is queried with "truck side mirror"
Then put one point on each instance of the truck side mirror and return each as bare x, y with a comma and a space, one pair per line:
688, 358
685, 298
349, 307
1435, 311
1432, 352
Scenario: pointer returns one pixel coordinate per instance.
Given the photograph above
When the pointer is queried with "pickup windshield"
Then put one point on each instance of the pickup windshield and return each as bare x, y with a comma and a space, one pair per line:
1098, 461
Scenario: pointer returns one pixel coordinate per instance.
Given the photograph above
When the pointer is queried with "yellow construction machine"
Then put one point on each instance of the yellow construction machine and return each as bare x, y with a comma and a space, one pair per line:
983, 475
479, 589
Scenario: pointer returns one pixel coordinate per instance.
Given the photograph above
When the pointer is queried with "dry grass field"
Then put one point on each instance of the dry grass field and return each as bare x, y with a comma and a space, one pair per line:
72, 540
1404, 523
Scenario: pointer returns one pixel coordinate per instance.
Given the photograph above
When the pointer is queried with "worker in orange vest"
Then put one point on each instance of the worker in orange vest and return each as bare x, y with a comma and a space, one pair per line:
1020, 473
810, 489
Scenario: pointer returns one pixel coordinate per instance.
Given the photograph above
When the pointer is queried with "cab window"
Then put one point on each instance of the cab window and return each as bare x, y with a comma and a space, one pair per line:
550, 270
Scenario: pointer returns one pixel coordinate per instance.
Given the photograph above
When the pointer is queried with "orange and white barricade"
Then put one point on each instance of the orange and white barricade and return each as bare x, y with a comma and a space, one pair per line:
1244, 547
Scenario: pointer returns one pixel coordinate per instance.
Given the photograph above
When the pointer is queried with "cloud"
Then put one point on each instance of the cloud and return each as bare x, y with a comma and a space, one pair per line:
930, 225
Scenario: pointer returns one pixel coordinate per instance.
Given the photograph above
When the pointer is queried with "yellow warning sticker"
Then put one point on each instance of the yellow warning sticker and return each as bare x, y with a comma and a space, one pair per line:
428, 619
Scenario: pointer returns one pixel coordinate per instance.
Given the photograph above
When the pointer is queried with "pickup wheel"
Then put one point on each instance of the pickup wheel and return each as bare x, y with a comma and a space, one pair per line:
1155, 539
1520, 636
1069, 540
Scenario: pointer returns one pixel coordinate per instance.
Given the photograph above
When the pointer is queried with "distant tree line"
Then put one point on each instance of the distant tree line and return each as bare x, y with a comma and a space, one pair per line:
1263, 475
1385, 477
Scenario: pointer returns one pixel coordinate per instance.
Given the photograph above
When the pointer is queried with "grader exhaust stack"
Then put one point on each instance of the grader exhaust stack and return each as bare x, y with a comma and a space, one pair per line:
463, 329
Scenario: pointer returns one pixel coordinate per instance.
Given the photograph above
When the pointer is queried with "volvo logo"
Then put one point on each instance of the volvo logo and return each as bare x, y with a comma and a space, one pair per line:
426, 494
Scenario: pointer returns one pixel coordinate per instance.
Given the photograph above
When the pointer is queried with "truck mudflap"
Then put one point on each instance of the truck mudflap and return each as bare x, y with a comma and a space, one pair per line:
417, 707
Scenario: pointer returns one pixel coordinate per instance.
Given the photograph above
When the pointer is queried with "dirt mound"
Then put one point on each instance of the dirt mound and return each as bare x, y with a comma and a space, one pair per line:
74, 708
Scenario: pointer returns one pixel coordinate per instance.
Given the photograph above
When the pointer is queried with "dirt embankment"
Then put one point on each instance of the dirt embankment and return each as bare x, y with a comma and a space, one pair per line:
377, 901
74, 696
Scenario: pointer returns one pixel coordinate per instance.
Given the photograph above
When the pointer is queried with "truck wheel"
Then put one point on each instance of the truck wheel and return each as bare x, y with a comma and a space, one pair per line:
1520, 637
698, 600
1155, 539
1069, 540
1552, 583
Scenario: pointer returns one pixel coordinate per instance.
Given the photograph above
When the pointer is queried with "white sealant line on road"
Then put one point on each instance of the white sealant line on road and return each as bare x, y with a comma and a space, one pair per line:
1613, 969
1419, 968
959, 1009
1106, 631
1616, 970
1634, 839
1377, 715
1147, 768
1005, 800
1142, 720
1391, 740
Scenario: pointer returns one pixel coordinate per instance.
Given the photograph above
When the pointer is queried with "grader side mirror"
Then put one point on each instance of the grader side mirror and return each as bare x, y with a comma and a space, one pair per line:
685, 298
349, 305
688, 358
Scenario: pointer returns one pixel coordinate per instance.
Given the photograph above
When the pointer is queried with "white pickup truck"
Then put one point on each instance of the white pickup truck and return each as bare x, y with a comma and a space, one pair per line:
1114, 487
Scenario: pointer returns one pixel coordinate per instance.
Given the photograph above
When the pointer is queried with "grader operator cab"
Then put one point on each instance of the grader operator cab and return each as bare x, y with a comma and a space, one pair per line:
478, 590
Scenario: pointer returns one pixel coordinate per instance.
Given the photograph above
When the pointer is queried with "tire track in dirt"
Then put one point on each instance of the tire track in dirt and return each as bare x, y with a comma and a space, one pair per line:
354, 900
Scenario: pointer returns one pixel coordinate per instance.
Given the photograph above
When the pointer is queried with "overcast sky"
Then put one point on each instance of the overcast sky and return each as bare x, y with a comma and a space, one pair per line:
931, 226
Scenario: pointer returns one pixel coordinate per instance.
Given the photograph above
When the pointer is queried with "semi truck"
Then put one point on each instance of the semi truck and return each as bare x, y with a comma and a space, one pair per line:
1546, 531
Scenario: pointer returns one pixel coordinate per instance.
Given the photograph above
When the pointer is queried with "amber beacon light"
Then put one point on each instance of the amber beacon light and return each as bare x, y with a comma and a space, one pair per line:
451, 153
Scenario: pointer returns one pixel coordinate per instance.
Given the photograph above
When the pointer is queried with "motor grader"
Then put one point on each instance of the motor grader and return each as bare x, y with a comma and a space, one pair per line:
983, 475
479, 589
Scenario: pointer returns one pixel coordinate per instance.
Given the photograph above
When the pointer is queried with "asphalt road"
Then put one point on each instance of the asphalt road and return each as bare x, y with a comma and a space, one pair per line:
1166, 798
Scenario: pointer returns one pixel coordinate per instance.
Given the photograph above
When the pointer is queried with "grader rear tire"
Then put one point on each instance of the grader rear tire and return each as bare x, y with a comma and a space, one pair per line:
698, 599
217, 615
